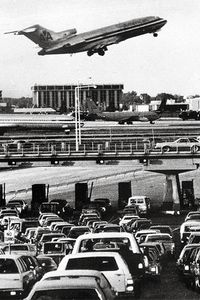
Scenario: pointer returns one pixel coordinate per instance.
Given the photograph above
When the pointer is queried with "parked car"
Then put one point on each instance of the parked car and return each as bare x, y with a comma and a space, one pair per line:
195, 270
57, 250
154, 265
73, 284
140, 235
75, 231
191, 213
45, 215
142, 202
190, 143
126, 219
139, 224
47, 263
186, 228
183, 258
111, 264
130, 210
16, 278
19, 204
106, 238
194, 238
188, 266
164, 238
163, 229
103, 205
193, 217
20, 249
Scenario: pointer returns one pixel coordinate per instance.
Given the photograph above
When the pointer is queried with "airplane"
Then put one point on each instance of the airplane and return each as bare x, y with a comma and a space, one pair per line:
15, 122
123, 117
94, 41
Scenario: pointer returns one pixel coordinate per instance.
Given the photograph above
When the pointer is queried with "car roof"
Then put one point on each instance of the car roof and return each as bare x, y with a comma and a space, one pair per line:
11, 256
106, 235
93, 254
67, 283
159, 234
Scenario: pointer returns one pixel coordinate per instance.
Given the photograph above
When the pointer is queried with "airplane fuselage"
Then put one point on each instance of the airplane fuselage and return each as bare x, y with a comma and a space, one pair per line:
38, 122
128, 116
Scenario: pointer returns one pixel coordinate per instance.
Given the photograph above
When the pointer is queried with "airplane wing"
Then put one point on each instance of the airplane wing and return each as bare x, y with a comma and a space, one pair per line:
70, 42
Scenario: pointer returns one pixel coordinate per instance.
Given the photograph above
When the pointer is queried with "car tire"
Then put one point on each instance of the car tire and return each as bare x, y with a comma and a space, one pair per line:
166, 149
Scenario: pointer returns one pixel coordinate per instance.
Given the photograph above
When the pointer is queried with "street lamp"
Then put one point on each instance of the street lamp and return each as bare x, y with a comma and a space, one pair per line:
78, 113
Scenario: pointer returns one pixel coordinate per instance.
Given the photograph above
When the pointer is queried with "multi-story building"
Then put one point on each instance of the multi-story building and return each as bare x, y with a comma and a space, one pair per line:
62, 97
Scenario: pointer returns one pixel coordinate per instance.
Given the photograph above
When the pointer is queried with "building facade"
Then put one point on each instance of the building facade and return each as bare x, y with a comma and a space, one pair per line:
62, 97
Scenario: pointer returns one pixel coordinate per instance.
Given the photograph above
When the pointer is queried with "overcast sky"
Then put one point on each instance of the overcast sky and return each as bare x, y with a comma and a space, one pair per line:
169, 63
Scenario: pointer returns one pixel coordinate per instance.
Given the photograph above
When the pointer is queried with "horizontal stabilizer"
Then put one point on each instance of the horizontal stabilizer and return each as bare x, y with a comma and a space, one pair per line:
9, 32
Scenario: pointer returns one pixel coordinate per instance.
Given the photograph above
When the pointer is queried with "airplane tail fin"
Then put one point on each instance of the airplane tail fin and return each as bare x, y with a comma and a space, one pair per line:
92, 107
38, 34
162, 106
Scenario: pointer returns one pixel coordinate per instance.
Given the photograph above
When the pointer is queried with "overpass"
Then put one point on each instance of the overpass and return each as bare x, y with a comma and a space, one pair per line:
169, 163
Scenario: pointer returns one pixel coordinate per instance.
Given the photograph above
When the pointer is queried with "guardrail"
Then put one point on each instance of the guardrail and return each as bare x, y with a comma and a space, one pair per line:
52, 154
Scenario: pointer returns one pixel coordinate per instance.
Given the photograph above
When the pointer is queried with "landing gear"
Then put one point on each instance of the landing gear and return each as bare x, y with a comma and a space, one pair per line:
101, 52
90, 53
155, 34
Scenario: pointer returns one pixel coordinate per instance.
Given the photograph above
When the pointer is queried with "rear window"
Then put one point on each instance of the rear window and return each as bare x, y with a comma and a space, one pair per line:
67, 294
16, 248
8, 266
53, 248
93, 263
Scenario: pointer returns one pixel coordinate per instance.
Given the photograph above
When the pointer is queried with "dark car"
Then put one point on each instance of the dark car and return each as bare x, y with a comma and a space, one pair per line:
183, 262
103, 204
154, 266
64, 208
47, 263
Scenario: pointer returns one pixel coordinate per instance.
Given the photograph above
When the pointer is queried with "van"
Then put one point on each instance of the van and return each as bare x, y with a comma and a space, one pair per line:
142, 202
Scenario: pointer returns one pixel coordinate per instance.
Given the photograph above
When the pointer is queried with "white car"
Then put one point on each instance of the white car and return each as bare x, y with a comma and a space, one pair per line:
189, 144
164, 238
107, 238
127, 218
16, 278
73, 284
111, 264
187, 228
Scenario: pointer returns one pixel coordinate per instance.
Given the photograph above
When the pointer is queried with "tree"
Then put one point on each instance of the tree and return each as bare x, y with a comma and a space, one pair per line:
146, 99
130, 98
164, 96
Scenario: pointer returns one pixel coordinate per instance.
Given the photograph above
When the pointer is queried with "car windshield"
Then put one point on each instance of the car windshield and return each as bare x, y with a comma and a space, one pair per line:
67, 294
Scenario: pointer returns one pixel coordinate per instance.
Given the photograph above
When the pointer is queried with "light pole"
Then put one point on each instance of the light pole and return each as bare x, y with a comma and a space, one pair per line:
78, 113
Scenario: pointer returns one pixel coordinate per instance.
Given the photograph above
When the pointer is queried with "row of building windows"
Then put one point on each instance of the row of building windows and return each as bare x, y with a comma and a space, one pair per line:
65, 99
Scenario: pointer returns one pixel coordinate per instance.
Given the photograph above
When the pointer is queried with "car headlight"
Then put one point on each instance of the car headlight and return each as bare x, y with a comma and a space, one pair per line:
129, 281
140, 266
186, 268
